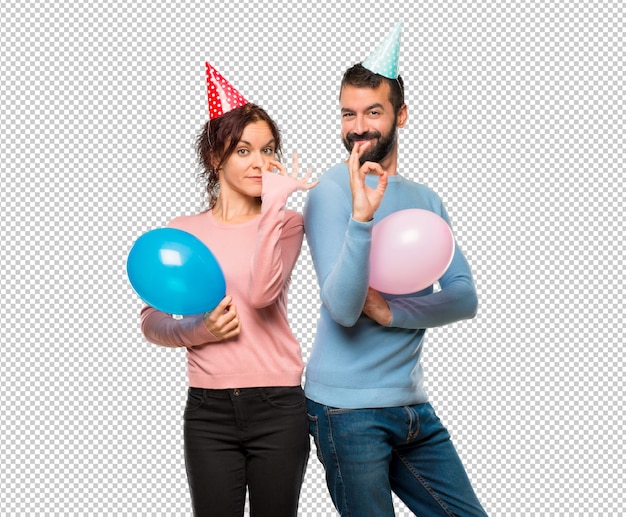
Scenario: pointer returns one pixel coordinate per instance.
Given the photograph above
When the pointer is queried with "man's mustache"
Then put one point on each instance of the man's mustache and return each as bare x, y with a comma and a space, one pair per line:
370, 135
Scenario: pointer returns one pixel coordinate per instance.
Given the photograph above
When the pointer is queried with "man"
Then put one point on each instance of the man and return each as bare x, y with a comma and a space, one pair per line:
369, 414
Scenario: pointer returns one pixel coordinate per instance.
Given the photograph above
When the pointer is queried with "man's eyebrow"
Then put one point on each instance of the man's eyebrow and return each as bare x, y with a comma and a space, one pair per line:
369, 108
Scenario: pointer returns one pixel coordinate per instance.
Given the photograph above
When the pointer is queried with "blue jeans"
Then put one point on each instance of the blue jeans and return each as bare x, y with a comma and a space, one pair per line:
368, 453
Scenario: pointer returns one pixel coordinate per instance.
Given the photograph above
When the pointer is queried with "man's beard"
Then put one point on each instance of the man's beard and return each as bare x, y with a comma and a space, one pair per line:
377, 152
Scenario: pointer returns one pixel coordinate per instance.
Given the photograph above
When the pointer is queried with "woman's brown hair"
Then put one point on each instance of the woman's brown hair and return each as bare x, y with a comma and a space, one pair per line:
219, 138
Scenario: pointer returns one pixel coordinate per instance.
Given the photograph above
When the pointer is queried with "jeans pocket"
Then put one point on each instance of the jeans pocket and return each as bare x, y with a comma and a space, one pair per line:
195, 399
285, 398
314, 431
314, 428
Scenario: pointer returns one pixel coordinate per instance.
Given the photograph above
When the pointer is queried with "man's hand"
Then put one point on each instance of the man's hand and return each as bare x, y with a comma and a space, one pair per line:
365, 200
376, 308
223, 321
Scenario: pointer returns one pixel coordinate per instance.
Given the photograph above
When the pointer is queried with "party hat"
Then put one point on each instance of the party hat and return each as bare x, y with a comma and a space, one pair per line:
384, 59
222, 96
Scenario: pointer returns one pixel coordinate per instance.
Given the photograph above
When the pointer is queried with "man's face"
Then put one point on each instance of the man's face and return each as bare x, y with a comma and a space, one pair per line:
368, 115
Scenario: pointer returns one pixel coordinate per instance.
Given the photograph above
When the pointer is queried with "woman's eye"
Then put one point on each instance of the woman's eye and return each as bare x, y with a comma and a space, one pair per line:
269, 150
242, 152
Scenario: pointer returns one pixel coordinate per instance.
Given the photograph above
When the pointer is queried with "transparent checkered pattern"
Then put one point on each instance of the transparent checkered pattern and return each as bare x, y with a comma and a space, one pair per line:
516, 120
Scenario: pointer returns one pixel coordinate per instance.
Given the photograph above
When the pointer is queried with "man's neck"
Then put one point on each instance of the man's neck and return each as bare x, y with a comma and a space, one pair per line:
390, 162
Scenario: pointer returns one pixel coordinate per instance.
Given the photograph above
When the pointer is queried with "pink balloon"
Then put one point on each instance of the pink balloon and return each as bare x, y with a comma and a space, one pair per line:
411, 250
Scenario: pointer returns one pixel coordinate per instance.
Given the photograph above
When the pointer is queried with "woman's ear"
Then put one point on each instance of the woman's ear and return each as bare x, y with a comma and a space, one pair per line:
213, 160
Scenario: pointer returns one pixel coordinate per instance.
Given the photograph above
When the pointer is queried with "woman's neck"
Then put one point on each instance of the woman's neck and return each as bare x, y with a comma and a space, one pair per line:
236, 212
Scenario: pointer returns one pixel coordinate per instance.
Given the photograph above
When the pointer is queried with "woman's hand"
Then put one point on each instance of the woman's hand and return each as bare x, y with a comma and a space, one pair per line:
223, 321
286, 180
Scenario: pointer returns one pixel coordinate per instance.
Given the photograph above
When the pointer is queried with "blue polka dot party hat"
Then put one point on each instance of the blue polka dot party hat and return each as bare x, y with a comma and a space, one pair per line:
384, 59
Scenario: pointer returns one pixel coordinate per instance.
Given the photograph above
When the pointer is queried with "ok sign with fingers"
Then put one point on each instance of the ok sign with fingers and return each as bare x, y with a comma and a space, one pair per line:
365, 199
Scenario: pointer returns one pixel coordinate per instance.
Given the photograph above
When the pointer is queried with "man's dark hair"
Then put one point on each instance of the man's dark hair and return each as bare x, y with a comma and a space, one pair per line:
360, 77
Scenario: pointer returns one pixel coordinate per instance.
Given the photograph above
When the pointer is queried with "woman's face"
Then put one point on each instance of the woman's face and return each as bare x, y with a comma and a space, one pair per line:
241, 173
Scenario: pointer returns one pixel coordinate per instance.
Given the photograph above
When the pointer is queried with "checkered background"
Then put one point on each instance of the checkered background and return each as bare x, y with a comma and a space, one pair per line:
516, 120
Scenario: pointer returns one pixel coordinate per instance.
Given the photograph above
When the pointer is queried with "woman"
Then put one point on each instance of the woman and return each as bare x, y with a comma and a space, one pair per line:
245, 422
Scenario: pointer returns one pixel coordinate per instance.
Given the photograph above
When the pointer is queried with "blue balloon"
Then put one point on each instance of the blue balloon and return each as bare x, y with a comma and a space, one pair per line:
174, 272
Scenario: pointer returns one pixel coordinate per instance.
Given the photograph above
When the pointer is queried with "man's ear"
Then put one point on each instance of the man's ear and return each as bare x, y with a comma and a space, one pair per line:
403, 115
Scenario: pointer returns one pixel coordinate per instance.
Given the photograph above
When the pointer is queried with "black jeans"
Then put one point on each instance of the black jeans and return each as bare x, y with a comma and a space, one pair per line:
253, 437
